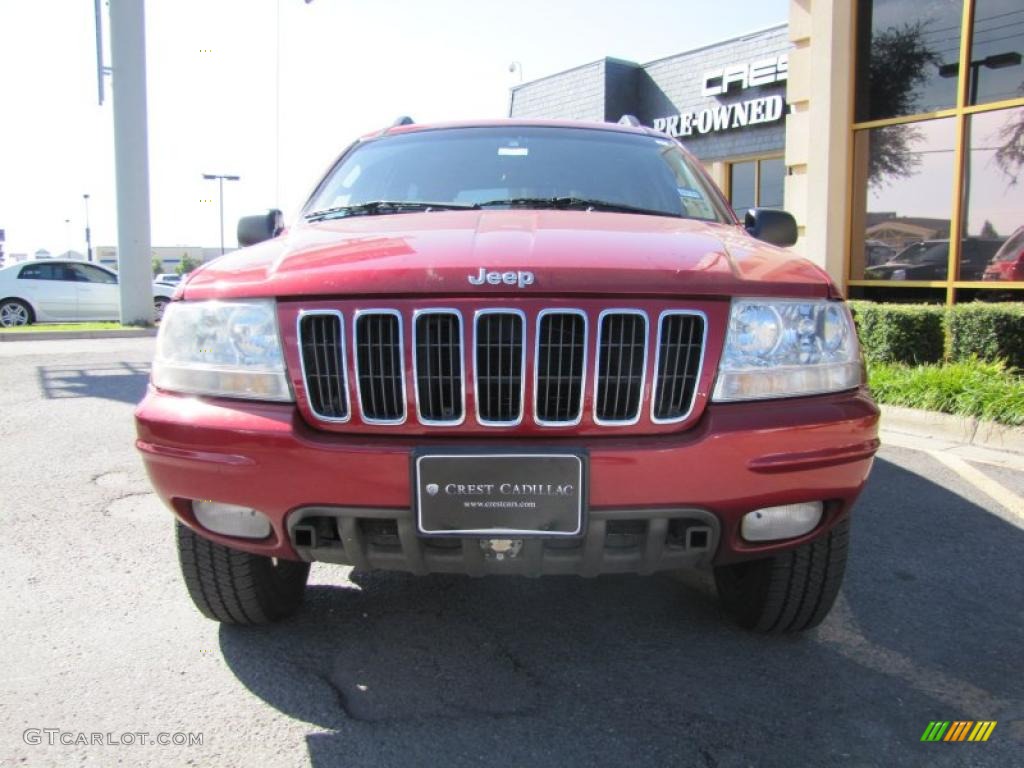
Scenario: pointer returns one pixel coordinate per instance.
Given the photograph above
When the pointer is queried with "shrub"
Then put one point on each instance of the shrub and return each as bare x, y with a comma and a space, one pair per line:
984, 390
900, 333
987, 331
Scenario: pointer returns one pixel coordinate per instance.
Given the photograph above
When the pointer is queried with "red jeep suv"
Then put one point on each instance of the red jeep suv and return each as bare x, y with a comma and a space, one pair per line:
519, 348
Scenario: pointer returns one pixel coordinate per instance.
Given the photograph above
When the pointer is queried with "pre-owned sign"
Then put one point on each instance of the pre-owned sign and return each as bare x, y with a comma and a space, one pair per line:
723, 117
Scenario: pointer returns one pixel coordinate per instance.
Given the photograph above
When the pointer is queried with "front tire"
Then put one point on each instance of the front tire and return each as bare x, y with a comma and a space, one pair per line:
789, 592
15, 313
235, 587
159, 305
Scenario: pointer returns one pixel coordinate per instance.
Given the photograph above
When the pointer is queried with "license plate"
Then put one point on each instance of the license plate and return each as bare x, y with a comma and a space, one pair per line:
498, 494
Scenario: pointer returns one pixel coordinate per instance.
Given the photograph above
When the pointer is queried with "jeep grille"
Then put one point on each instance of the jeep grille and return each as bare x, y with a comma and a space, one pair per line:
549, 368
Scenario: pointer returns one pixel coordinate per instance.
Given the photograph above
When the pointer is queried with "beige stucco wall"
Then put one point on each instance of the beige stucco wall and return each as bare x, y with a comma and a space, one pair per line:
819, 91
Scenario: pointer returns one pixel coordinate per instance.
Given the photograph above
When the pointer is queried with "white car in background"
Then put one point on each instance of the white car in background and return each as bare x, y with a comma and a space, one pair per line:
62, 291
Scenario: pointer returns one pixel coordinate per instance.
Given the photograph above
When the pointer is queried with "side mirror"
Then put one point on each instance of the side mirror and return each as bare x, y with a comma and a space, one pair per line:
772, 226
256, 229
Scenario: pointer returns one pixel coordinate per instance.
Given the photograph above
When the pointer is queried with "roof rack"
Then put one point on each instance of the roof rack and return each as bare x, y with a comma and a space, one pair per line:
399, 121
630, 120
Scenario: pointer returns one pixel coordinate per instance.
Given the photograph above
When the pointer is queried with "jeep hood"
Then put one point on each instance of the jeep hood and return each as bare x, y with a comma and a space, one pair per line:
568, 252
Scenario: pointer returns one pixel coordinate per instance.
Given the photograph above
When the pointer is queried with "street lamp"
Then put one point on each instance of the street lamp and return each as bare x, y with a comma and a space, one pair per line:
995, 61
220, 181
516, 66
88, 232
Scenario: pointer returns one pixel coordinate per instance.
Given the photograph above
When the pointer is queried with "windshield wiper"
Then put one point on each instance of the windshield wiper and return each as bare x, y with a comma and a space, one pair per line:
564, 203
384, 206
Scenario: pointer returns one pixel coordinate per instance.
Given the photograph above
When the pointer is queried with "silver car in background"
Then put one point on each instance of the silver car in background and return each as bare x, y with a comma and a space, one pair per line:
64, 291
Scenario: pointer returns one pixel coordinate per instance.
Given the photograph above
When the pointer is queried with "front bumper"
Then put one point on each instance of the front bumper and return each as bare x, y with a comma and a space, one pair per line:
654, 502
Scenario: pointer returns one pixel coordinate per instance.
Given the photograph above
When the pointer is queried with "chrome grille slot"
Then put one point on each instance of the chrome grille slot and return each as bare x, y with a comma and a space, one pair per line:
379, 372
322, 348
499, 357
621, 366
560, 366
437, 344
679, 356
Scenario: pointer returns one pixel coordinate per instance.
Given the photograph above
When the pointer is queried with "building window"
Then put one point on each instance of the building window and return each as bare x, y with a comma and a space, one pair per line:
938, 151
756, 183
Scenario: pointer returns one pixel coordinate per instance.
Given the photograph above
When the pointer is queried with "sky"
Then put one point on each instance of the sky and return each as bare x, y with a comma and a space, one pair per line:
346, 67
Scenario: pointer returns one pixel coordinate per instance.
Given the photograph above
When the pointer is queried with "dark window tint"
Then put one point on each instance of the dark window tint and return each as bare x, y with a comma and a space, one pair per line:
47, 272
907, 56
87, 274
33, 272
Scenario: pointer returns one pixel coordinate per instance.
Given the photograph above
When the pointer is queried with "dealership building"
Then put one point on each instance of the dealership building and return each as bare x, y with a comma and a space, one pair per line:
892, 130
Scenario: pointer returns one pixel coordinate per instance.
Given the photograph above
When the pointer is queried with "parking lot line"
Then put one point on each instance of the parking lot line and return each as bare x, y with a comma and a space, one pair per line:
1006, 498
972, 453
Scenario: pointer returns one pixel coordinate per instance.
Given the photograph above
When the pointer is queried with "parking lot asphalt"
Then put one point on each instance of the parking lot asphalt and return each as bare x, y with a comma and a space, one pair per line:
99, 636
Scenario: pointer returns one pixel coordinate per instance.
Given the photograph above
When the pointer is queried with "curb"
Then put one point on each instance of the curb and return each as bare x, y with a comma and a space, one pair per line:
959, 429
65, 335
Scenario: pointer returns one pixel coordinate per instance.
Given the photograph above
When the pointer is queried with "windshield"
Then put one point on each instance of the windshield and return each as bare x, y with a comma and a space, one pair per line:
921, 253
1012, 248
519, 166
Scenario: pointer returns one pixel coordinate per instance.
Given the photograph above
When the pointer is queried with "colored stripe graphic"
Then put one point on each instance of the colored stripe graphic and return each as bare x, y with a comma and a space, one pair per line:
935, 730
982, 730
958, 730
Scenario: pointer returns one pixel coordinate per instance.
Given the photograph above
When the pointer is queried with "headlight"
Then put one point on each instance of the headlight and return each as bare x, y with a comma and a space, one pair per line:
225, 348
787, 348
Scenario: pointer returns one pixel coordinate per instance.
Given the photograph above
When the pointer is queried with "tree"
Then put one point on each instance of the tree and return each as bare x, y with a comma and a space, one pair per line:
186, 265
158, 265
897, 70
987, 230
1010, 155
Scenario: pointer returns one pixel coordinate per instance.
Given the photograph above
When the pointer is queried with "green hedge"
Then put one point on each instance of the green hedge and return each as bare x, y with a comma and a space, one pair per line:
900, 333
977, 388
987, 331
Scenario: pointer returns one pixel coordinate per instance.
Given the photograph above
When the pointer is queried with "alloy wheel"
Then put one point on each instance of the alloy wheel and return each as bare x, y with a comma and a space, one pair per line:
13, 314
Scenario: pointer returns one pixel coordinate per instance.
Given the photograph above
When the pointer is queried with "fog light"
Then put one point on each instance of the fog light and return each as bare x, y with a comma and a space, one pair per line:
231, 519
783, 522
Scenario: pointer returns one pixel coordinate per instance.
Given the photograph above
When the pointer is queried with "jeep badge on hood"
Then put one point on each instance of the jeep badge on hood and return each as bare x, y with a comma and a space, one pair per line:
521, 278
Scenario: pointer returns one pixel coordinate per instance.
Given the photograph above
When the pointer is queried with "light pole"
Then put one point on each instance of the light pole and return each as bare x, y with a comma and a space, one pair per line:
88, 232
995, 61
67, 232
221, 178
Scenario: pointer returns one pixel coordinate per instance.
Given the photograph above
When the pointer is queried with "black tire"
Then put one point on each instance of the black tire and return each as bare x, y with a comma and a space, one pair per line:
159, 305
790, 592
236, 587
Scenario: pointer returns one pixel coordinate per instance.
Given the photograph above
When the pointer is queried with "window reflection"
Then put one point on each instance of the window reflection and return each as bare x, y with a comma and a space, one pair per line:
997, 42
994, 196
903, 175
904, 50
